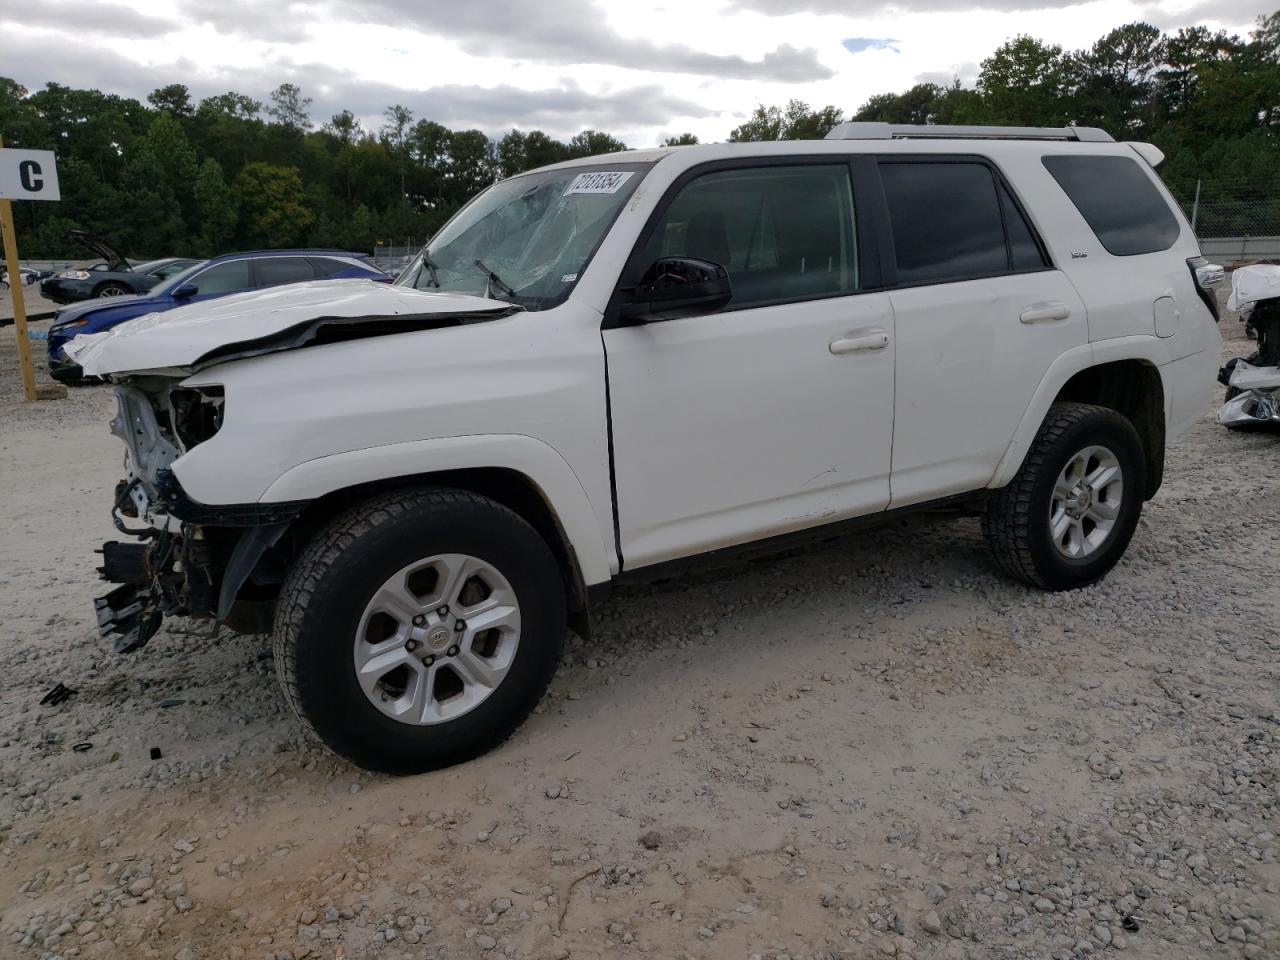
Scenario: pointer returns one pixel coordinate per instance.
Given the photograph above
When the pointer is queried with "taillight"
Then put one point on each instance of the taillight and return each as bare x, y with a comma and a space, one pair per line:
1208, 278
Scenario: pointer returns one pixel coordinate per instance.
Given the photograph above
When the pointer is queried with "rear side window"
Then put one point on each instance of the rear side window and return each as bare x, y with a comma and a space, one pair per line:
1024, 251
1119, 202
946, 219
327, 268
273, 271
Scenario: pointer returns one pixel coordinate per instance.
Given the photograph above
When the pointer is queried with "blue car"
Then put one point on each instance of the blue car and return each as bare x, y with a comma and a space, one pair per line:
230, 273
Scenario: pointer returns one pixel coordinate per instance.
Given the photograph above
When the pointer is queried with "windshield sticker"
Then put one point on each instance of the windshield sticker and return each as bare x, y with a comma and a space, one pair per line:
598, 182
569, 278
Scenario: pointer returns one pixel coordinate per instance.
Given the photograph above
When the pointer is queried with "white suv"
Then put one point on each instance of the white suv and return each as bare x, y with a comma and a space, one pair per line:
605, 367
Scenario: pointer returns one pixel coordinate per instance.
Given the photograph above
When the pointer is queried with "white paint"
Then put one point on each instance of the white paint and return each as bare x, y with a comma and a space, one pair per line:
28, 175
727, 428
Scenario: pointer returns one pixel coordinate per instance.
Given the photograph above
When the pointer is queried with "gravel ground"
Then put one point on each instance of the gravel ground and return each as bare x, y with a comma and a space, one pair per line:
876, 748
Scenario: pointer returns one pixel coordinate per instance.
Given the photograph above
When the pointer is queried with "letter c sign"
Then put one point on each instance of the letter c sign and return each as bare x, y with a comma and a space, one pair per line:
28, 175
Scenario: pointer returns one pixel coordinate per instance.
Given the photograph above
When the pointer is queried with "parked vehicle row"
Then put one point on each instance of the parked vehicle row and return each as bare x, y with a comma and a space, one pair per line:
197, 281
612, 368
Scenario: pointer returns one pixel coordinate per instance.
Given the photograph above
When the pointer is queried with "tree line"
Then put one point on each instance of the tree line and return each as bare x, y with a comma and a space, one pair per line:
176, 176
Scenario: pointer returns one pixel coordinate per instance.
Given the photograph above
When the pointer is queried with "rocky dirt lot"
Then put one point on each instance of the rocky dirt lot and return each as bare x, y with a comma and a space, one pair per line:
876, 748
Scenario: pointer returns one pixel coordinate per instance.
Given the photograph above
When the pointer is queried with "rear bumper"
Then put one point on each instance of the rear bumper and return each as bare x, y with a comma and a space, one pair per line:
1189, 387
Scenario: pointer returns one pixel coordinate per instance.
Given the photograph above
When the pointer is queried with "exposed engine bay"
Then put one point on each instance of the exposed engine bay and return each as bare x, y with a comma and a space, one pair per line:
189, 559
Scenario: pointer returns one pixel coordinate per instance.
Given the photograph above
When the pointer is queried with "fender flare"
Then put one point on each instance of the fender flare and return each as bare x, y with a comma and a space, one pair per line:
1067, 365
534, 459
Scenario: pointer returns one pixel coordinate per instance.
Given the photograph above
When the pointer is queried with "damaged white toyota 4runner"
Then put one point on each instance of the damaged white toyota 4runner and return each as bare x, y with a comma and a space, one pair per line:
609, 367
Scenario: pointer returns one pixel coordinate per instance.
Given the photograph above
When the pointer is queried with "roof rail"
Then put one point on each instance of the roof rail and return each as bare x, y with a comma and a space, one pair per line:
871, 130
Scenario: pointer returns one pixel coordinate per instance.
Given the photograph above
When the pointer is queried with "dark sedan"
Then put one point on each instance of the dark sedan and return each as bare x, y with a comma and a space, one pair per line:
112, 277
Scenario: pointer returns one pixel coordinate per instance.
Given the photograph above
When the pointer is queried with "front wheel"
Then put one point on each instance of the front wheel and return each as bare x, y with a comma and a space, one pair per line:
420, 629
1067, 516
111, 290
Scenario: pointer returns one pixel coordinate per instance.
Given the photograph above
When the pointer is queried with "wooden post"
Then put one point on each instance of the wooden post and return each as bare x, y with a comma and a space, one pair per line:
19, 304
8, 235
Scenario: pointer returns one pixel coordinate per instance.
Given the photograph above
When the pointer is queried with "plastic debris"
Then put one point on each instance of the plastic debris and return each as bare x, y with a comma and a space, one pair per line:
57, 695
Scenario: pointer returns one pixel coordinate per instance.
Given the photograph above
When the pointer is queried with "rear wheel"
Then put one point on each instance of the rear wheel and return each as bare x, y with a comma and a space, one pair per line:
420, 629
1069, 513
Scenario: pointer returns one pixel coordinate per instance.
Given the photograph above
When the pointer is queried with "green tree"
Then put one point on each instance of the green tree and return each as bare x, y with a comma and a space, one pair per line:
680, 140
289, 107
1025, 82
590, 143
795, 121
174, 99
272, 205
215, 209
344, 127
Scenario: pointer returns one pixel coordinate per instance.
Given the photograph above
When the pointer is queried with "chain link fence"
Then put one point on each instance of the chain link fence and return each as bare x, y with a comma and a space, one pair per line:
392, 258
1240, 224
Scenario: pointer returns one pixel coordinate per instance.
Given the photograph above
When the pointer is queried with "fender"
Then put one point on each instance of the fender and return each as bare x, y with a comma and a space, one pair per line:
1067, 365
538, 461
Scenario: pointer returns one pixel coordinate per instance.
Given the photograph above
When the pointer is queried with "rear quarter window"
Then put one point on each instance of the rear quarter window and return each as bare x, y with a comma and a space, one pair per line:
1119, 202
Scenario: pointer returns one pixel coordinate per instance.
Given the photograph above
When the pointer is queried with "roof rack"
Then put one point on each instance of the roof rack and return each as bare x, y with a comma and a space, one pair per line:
871, 130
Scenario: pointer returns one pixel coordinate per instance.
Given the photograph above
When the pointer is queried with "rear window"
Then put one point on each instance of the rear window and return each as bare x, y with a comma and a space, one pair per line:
1119, 202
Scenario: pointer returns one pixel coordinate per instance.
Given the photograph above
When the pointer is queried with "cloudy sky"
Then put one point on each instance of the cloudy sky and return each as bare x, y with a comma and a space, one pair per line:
640, 69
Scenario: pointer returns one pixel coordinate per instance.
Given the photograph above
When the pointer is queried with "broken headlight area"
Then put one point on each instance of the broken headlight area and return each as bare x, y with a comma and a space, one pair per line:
190, 559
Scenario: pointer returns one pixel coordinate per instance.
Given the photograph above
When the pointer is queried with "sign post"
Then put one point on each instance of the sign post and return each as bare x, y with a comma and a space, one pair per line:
24, 175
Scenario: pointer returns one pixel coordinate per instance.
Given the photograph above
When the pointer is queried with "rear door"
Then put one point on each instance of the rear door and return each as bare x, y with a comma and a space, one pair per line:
980, 315
774, 414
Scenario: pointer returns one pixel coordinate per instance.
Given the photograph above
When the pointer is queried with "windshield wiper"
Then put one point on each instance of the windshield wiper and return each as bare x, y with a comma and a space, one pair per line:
431, 269
494, 279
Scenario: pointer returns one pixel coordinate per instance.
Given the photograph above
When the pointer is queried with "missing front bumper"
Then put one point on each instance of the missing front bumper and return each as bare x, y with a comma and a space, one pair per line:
129, 615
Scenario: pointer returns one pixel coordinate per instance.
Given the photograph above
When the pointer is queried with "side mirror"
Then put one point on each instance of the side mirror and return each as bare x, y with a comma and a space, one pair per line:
186, 290
676, 287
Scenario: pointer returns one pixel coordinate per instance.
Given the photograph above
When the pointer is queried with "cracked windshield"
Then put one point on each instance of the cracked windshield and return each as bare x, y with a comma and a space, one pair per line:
526, 240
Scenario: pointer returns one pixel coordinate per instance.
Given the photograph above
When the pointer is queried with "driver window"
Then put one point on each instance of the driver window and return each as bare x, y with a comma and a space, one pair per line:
782, 232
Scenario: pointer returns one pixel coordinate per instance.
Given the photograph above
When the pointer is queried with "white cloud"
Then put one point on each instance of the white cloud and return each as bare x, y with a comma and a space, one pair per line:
639, 69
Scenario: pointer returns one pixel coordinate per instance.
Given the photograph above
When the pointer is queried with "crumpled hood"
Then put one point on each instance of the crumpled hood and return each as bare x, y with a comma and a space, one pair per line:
267, 321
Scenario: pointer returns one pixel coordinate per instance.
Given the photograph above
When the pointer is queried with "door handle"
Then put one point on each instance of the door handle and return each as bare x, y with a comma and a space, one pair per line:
873, 339
1044, 312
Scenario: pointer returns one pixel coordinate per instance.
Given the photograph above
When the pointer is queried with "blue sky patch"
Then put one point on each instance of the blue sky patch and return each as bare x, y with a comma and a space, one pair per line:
863, 44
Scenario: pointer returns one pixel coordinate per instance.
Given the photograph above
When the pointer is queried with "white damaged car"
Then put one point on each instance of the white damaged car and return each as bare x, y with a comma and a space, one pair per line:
614, 367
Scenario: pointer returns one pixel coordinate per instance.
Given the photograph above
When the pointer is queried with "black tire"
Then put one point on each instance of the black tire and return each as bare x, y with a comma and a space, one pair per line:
1016, 522
112, 290
331, 582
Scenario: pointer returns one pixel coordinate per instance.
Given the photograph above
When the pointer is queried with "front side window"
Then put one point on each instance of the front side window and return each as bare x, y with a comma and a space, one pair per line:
1119, 202
782, 232
526, 240
946, 221
274, 271
230, 277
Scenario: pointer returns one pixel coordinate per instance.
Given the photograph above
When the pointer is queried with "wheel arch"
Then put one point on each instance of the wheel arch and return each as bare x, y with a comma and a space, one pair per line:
1120, 374
510, 488
1133, 389
522, 473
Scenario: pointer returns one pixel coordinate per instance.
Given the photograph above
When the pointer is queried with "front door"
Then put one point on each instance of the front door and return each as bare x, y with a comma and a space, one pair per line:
775, 414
